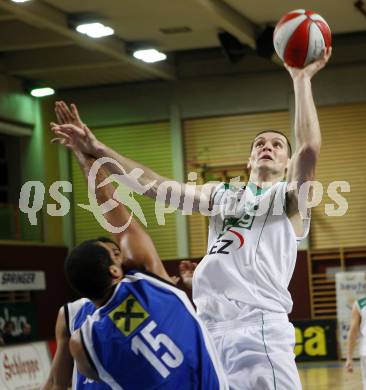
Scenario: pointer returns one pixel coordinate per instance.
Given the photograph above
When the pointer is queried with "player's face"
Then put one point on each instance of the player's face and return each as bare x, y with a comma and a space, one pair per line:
270, 152
114, 251
116, 257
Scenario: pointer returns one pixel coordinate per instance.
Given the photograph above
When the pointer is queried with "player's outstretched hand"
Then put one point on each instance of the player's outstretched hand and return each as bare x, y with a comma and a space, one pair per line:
310, 70
68, 115
77, 138
71, 131
65, 140
186, 270
349, 365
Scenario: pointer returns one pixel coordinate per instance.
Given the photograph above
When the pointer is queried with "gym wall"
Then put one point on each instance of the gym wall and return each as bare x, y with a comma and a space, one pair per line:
149, 144
343, 142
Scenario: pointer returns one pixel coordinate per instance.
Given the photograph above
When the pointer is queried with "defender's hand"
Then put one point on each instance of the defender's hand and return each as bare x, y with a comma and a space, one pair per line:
186, 270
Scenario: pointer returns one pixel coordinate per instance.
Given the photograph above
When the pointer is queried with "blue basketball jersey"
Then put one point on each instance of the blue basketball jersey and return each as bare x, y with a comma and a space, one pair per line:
76, 313
147, 336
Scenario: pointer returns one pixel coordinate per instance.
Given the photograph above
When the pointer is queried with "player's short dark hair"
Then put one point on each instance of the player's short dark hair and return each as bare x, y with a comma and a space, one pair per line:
289, 148
108, 240
87, 269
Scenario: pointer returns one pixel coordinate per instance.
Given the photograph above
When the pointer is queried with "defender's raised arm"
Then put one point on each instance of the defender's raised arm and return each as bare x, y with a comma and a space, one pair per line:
145, 181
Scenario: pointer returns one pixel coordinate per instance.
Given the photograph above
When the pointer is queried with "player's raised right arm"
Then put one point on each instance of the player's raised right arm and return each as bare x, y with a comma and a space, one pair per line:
180, 195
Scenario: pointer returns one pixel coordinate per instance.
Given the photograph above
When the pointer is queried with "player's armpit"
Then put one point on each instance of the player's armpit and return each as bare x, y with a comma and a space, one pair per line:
80, 356
62, 364
302, 165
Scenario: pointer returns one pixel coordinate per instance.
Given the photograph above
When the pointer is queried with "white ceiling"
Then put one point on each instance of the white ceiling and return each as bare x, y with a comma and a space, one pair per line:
37, 43
341, 15
141, 20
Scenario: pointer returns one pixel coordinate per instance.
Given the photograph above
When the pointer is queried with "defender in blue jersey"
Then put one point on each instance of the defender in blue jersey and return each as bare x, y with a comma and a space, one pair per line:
144, 334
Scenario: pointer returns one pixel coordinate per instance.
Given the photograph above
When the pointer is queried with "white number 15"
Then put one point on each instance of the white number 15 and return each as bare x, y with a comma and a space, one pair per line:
173, 358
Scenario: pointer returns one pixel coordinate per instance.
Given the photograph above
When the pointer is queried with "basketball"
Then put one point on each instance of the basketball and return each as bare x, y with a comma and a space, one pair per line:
300, 37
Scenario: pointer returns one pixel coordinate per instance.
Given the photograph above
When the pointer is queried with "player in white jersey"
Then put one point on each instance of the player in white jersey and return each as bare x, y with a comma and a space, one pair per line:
357, 329
240, 287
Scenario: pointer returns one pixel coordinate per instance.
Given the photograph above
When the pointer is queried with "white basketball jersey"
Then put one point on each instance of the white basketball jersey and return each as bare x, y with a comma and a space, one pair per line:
72, 309
252, 250
76, 313
361, 306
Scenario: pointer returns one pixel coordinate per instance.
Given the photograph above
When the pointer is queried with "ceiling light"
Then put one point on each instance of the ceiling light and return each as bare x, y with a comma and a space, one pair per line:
149, 55
94, 30
19, 1
41, 92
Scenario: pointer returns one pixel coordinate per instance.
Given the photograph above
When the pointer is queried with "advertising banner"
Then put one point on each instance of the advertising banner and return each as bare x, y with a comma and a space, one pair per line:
350, 286
24, 367
315, 340
22, 280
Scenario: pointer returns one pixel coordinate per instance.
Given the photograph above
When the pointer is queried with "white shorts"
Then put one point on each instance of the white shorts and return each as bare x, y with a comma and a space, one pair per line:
258, 352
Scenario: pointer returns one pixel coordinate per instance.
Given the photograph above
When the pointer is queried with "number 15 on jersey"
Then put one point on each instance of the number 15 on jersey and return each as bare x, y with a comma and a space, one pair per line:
148, 343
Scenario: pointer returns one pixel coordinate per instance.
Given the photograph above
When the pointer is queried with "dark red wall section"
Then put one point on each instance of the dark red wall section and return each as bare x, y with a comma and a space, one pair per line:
49, 259
299, 289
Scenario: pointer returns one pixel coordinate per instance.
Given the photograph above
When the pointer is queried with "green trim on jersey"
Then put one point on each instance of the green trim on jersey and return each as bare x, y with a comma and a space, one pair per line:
258, 190
228, 186
254, 189
361, 303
